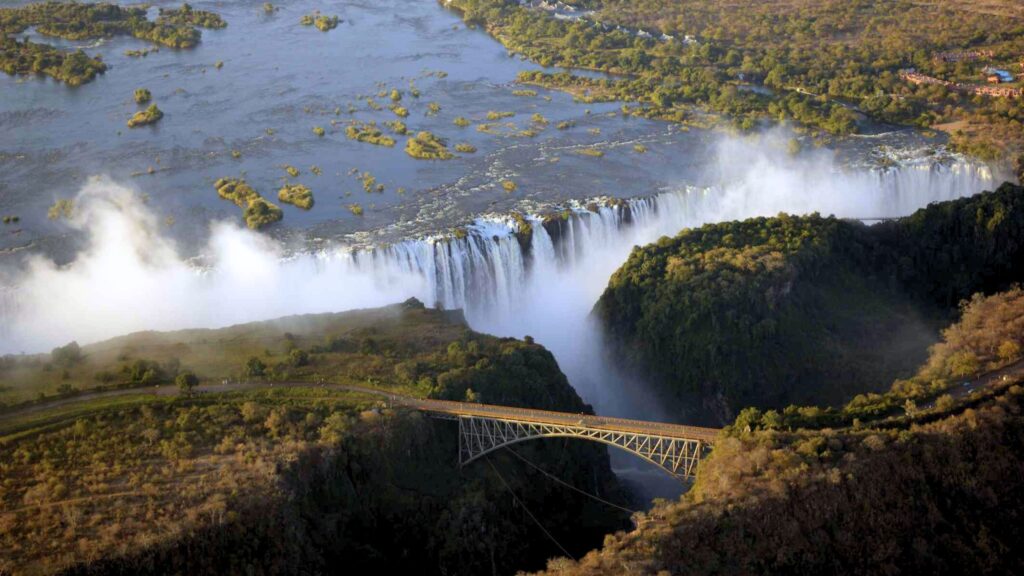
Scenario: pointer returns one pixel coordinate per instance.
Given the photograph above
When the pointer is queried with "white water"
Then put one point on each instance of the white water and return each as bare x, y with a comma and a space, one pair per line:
130, 277
549, 292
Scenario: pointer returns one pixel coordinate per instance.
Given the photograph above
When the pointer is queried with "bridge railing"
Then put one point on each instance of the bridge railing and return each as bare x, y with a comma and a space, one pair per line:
564, 418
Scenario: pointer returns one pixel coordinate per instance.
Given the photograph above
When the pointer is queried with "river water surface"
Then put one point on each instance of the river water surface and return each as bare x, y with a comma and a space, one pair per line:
147, 257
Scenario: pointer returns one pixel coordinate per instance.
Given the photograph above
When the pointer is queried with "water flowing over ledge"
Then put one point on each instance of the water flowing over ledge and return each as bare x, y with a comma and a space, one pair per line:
486, 270
514, 275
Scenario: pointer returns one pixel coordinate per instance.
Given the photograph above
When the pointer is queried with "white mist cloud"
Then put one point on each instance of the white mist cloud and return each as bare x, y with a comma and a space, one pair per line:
755, 177
131, 277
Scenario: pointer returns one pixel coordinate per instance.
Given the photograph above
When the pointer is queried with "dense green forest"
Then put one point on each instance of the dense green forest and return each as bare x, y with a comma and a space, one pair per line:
824, 62
295, 479
936, 491
791, 310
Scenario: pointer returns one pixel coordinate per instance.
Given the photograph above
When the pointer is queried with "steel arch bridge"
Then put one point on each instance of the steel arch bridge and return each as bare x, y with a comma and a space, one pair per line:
485, 428
679, 457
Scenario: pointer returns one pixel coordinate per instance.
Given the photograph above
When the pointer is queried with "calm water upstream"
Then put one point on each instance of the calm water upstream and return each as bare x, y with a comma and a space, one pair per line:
279, 80
287, 78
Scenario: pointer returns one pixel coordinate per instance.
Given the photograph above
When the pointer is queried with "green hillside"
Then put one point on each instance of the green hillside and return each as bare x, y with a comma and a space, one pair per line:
797, 310
935, 490
253, 478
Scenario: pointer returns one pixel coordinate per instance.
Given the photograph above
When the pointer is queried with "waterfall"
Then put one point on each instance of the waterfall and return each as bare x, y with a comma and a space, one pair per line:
544, 284
510, 282
487, 270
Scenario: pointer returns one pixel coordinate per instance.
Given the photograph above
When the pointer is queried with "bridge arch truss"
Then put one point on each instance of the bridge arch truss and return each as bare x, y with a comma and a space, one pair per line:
679, 457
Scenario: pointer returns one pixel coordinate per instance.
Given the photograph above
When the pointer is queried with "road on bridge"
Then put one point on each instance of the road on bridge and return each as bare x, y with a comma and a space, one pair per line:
593, 422
443, 407
1008, 373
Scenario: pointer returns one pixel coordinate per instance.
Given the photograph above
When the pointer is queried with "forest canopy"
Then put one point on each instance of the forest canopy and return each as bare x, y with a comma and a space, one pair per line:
772, 311
208, 482
823, 64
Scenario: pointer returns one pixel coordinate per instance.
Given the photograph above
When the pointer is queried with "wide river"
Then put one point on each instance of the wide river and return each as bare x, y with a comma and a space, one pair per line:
129, 262
279, 80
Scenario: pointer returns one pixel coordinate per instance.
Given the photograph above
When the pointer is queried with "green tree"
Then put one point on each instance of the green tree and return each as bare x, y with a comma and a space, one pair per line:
298, 357
67, 355
1009, 350
771, 420
255, 367
749, 419
944, 402
186, 382
963, 364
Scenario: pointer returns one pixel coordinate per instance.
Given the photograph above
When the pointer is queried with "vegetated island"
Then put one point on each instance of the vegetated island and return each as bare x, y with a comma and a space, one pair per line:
150, 115
322, 23
188, 16
74, 21
368, 132
427, 146
825, 65
397, 126
207, 478
256, 211
296, 195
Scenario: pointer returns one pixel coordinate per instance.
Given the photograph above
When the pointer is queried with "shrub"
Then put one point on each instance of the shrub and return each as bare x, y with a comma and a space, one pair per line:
296, 195
325, 23
256, 211
67, 355
255, 367
369, 133
186, 382
398, 127
427, 146
61, 208
260, 213
298, 357
150, 115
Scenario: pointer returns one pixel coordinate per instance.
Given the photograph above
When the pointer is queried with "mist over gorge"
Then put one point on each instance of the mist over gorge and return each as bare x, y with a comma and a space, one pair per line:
465, 287
131, 275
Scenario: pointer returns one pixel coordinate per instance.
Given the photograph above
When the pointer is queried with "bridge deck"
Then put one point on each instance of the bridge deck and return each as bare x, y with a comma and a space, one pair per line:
452, 408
